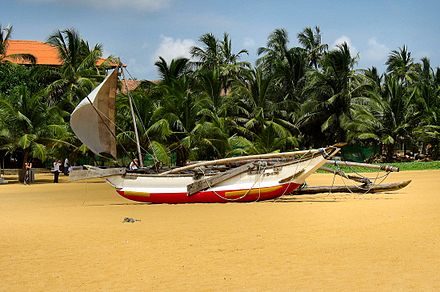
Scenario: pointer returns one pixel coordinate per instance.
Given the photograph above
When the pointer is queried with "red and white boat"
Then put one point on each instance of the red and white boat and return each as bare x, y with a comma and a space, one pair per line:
237, 179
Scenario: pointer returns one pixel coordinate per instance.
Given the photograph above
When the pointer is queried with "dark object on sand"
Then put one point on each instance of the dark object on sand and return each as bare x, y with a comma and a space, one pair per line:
129, 220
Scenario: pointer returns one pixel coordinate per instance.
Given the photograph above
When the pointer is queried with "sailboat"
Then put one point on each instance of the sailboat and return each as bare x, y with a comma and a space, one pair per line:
236, 179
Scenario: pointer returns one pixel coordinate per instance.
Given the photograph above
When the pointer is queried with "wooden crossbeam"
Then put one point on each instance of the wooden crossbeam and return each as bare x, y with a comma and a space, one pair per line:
204, 183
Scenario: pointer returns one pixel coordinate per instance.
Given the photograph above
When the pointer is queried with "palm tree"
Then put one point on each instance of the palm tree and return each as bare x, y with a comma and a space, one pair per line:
329, 93
427, 91
231, 68
275, 50
5, 35
29, 126
208, 85
311, 42
218, 55
209, 56
145, 99
79, 71
287, 66
373, 75
208, 139
176, 69
387, 116
261, 115
173, 112
401, 65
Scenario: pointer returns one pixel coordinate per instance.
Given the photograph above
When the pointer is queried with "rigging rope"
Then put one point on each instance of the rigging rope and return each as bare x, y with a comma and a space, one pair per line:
258, 176
141, 122
292, 178
360, 187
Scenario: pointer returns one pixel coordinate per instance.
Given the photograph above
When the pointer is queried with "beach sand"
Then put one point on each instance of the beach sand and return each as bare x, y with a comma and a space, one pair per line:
71, 236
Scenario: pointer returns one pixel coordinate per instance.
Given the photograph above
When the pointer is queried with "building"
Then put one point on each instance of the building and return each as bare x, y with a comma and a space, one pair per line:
44, 54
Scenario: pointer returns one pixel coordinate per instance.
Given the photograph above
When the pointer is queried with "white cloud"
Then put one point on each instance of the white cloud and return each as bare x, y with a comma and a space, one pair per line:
140, 5
345, 39
248, 42
170, 48
376, 51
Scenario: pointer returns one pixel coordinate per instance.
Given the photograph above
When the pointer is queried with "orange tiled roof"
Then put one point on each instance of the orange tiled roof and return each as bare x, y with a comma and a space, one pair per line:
44, 53
130, 85
133, 84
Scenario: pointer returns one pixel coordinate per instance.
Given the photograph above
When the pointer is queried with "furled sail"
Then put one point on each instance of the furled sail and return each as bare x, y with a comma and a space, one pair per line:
93, 120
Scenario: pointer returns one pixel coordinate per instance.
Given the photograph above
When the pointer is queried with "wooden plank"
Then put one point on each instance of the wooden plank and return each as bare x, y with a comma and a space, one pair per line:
204, 183
94, 172
292, 177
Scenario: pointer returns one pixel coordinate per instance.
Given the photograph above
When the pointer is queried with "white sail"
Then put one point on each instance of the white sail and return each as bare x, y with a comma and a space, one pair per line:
93, 120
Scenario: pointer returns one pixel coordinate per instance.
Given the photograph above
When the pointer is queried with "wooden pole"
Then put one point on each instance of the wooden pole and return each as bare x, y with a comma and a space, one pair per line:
387, 168
138, 144
363, 180
241, 159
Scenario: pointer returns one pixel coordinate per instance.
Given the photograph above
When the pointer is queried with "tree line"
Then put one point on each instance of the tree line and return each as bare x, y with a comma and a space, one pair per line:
216, 105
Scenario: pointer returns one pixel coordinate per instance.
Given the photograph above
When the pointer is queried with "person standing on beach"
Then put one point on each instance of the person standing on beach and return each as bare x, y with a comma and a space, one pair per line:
66, 166
56, 170
134, 164
27, 173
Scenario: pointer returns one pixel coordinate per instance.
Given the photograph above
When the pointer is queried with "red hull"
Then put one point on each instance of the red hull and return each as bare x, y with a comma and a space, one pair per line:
258, 194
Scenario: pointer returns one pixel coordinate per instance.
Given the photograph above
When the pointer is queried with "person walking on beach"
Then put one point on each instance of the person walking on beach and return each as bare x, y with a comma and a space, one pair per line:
27, 173
56, 170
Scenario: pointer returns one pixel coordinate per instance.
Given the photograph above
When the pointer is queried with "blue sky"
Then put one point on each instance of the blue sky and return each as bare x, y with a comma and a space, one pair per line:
138, 31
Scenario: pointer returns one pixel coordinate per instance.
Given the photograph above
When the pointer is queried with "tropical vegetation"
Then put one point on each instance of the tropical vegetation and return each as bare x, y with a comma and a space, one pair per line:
216, 105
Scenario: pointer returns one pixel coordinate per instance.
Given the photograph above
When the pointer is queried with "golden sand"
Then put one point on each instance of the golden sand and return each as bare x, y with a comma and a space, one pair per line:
70, 237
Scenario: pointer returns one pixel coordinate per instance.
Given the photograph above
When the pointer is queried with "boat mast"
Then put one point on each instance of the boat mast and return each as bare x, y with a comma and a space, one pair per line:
138, 144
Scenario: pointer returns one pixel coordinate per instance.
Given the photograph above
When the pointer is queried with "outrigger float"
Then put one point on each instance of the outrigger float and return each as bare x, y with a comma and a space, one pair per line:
237, 179
365, 185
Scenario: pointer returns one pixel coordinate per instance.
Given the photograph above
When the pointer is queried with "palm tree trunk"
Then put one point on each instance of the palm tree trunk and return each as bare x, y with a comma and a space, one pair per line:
389, 152
182, 156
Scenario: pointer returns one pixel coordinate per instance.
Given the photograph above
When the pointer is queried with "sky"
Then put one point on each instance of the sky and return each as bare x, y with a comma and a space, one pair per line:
139, 31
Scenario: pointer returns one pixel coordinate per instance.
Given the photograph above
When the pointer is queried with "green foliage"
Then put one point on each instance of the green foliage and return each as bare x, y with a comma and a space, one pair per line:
217, 105
28, 124
417, 165
160, 153
77, 75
